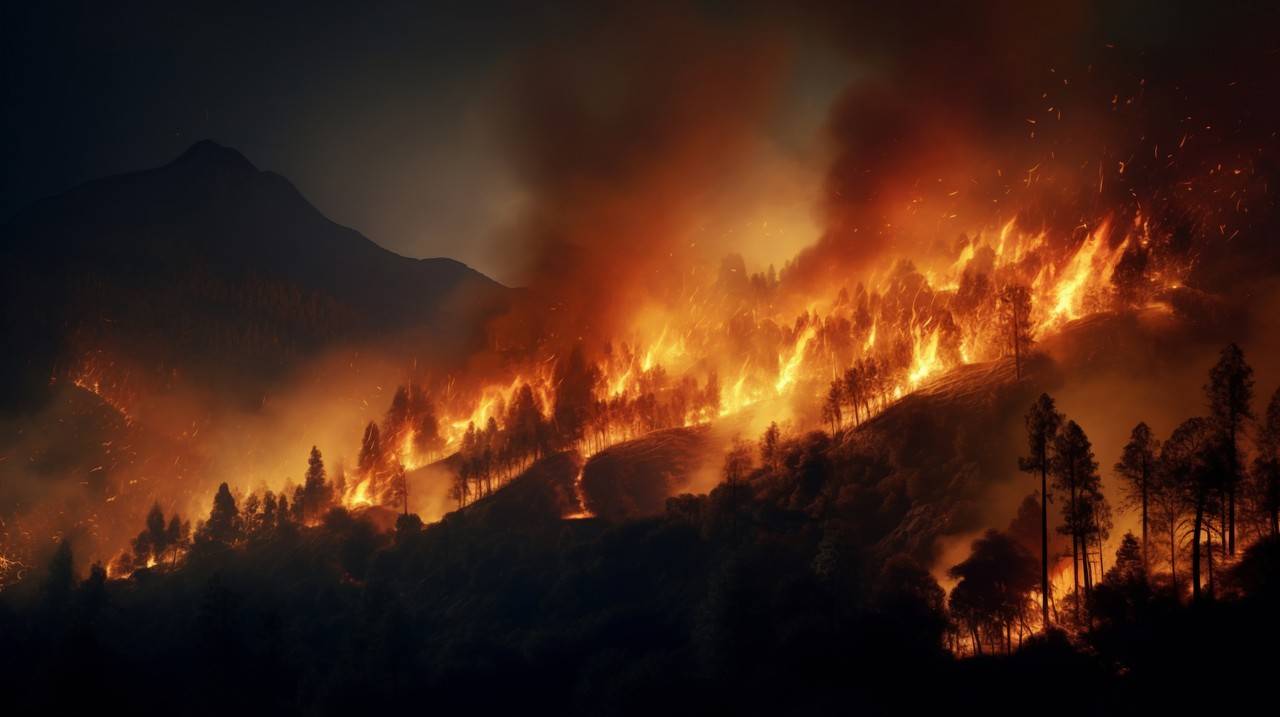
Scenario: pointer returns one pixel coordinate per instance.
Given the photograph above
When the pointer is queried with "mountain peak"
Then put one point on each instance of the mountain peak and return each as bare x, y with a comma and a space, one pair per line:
206, 152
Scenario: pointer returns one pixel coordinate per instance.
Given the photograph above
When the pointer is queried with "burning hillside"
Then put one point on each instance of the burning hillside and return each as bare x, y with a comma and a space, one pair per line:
836, 344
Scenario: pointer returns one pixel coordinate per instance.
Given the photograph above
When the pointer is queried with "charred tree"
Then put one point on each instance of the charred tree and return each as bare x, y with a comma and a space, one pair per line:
1015, 303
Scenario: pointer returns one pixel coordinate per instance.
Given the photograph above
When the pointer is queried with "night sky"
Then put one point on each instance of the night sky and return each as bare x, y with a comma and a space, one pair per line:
382, 115
388, 117
396, 118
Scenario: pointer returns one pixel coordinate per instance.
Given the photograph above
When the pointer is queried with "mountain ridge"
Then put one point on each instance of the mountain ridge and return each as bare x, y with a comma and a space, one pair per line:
145, 257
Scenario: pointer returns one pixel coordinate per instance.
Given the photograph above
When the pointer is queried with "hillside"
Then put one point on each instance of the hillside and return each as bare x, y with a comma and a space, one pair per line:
210, 268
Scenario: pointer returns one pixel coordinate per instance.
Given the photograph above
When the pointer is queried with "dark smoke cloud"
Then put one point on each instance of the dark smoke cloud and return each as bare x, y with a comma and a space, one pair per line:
1057, 113
621, 135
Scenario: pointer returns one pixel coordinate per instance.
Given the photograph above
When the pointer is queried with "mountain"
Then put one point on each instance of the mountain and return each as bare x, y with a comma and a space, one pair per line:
222, 272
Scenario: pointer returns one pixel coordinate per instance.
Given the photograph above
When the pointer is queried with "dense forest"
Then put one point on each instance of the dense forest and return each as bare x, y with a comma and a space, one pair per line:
765, 595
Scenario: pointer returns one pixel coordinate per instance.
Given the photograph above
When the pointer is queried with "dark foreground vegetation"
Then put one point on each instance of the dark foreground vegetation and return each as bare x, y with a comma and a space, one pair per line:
780, 592
728, 604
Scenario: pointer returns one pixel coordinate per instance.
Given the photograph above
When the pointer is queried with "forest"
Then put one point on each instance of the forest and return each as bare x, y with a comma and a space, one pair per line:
765, 595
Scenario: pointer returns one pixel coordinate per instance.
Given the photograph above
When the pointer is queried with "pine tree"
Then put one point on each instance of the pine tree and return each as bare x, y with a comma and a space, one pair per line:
1191, 457
1230, 392
1075, 472
1042, 422
223, 525
1137, 466
178, 536
1131, 562
316, 492
1015, 303
1265, 484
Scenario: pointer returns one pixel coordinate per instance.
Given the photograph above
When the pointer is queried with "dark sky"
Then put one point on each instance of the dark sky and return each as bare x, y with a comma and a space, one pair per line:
390, 117
394, 117
384, 114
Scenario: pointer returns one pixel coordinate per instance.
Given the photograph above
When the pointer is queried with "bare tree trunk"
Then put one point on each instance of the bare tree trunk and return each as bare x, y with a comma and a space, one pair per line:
1146, 553
1075, 554
1044, 542
1088, 564
1229, 529
1222, 521
1208, 536
1195, 550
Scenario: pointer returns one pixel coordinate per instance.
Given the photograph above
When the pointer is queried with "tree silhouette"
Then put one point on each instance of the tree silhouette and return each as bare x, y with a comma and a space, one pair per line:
1137, 466
284, 513
1265, 476
1131, 562
223, 525
1230, 392
994, 584
153, 542
1167, 512
269, 519
1075, 473
770, 446
1042, 423
178, 536
1190, 457
855, 390
831, 407
1015, 306
576, 382
316, 492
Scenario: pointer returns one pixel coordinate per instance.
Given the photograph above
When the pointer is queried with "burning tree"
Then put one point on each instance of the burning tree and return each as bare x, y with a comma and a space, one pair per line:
993, 591
1015, 305
831, 407
158, 540
771, 447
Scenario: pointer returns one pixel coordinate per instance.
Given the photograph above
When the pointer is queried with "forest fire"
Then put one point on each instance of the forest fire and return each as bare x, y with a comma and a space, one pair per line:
879, 358
103, 378
850, 355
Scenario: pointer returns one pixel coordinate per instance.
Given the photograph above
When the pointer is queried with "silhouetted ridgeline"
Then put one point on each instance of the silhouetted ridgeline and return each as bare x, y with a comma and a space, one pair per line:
212, 268
759, 598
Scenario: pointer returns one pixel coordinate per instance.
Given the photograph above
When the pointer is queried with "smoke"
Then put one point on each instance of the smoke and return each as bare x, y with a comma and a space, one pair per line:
625, 137
1055, 114
81, 469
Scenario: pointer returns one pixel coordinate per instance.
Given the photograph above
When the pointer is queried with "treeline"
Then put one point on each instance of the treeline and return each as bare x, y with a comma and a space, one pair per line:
773, 585
575, 409
230, 522
1197, 496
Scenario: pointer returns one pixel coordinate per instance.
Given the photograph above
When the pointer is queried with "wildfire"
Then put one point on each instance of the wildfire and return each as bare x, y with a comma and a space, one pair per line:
717, 350
1090, 268
911, 325
103, 378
